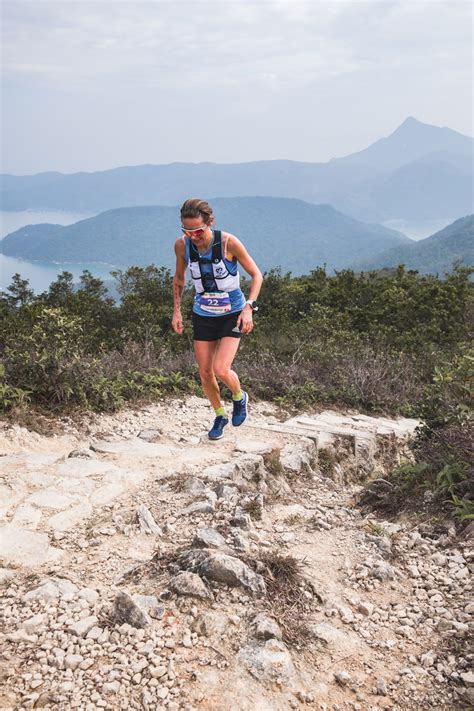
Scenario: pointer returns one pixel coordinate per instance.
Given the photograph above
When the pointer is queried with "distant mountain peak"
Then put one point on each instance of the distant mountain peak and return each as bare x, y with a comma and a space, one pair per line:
410, 141
411, 126
410, 120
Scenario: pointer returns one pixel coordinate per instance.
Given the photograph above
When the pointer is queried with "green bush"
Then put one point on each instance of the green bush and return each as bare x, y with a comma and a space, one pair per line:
443, 449
371, 341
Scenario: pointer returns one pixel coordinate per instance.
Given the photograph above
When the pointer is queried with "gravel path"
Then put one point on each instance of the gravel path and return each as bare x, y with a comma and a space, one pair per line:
146, 567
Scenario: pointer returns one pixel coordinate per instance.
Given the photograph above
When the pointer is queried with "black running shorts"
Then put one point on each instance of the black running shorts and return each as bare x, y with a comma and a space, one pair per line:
212, 328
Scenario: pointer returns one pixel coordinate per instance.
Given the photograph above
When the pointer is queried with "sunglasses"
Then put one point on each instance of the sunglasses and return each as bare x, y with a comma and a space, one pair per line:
196, 232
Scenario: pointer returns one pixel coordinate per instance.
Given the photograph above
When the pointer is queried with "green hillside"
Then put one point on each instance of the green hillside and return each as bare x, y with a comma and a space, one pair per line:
432, 255
289, 233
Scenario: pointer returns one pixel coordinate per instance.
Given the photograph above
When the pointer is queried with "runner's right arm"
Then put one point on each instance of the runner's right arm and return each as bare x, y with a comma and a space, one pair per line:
179, 282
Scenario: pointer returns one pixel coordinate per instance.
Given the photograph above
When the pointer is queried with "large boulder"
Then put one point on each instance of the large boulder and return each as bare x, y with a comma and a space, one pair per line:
222, 568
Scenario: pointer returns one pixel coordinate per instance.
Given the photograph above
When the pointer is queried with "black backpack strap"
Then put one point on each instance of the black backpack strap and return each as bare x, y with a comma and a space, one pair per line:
217, 247
193, 253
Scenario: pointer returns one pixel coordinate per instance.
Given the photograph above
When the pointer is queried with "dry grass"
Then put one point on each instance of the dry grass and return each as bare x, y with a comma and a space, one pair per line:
375, 528
154, 569
326, 461
286, 598
294, 520
254, 508
176, 482
273, 464
36, 420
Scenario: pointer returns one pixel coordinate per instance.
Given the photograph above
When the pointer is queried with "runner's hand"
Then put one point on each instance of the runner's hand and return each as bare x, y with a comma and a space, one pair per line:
177, 323
245, 320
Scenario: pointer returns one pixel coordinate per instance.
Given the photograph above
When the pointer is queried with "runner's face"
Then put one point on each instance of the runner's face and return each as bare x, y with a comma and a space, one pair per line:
199, 238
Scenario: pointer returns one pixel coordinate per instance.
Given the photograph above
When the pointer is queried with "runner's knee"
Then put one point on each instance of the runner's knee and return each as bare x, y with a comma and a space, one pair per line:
221, 372
206, 374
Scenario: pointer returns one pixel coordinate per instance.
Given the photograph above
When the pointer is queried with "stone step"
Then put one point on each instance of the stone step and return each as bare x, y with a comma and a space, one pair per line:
134, 446
318, 426
378, 425
285, 429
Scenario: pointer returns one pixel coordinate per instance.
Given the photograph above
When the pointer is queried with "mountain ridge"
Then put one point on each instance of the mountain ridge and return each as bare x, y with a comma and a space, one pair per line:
357, 184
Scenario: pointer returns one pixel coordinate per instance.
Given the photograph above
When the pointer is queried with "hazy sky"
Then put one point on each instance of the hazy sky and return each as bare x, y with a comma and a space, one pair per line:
94, 85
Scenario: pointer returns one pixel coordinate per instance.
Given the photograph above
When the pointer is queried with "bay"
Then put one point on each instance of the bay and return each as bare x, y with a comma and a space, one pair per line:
418, 229
41, 274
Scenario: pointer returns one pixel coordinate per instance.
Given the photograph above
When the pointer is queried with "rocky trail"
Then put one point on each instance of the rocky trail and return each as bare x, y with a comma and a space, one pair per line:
147, 567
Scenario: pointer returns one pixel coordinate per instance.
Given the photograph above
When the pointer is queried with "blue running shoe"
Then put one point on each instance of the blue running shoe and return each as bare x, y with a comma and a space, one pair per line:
240, 413
217, 429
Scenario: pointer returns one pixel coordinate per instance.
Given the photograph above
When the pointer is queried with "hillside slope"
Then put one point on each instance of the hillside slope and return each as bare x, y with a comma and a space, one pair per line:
432, 255
282, 232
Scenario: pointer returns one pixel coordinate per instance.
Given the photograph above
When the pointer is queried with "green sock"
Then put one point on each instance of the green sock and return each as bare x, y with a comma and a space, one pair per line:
220, 412
238, 396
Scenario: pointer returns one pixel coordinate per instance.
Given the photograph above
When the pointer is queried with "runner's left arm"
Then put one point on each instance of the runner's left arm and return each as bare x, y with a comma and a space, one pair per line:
236, 249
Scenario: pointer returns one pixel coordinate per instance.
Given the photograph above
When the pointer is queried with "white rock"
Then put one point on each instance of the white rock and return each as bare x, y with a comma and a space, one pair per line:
94, 633
50, 499
332, 636
342, 677
467, 678
24, 547
106, 494
428, 659
66, 520
158, 672
32, 624
268, 662
72, 661
86, 664
208, 538
6, 575
146, 521
346, 614
199, 507
111, 687
27, 516
366, 608
89, 595
81, 628
46, 591
66, 687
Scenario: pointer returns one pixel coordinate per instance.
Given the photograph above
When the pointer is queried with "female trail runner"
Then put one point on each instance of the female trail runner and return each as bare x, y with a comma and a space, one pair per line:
221, 314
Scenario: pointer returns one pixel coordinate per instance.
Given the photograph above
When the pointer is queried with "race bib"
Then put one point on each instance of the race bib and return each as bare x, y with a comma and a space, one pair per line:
216, 302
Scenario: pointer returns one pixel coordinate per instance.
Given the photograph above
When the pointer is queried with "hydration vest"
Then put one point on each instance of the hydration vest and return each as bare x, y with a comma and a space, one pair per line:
211, 271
